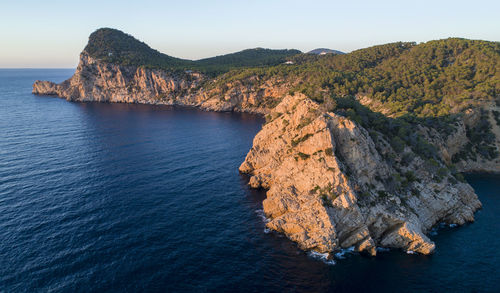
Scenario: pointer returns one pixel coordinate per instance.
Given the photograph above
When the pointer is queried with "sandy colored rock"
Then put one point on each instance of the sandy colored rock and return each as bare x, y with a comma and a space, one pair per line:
98, 81
317, 168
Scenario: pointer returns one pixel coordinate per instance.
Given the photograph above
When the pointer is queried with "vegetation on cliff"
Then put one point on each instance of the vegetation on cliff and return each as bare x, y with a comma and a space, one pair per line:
432, 79
376, 147
114, 46
428, 84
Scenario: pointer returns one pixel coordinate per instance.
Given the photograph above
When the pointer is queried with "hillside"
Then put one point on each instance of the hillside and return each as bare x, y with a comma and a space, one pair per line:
114, 46
430, 84
247, 58
431, 79
117, 47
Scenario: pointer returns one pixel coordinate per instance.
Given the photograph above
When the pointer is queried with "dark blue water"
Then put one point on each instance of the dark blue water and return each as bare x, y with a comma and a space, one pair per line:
116, 197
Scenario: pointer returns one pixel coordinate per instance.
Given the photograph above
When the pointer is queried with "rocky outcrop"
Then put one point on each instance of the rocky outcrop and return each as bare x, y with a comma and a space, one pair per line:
328, 187
472, 118
104, 82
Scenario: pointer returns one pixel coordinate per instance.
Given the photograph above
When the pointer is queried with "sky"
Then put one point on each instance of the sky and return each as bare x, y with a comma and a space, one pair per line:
51, 34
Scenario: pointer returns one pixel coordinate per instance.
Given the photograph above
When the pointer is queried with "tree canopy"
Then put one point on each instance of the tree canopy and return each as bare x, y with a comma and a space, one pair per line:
115, 46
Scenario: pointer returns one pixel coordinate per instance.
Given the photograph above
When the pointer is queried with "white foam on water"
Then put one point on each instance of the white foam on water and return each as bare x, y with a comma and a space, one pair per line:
410, 252
262, 215
342, 253
321, 256
453, 225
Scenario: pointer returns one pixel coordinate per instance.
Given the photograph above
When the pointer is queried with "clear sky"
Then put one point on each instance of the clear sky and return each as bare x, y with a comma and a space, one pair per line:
52, 33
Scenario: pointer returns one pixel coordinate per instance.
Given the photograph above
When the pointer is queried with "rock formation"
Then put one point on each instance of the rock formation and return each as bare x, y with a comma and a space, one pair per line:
331, 184
321, 171
95, 80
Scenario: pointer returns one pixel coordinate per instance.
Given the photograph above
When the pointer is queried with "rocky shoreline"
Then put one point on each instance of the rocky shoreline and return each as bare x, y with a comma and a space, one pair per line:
329, 186
99, 81
315, 201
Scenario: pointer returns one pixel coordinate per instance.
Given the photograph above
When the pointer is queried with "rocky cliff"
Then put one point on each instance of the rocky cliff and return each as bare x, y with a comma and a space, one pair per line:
331, 183
329, 187
95, 80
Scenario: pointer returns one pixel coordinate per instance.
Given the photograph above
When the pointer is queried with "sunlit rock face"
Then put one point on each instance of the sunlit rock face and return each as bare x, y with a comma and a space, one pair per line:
98, 81
325, 193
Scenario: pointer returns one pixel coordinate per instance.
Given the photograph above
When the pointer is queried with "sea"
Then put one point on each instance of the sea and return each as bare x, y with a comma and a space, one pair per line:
99, 197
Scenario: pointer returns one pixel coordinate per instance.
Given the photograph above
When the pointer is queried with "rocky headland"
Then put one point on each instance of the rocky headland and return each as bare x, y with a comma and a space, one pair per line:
332, 180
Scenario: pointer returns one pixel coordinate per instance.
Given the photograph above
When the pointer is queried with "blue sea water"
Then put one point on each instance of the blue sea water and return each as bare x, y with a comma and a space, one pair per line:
118, 197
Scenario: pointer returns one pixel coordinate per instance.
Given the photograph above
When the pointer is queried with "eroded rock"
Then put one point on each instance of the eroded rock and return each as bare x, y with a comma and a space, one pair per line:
317, 166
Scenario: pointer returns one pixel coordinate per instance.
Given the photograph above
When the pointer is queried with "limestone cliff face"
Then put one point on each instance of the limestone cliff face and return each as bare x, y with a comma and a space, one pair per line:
105, 82
328, 185
99, 81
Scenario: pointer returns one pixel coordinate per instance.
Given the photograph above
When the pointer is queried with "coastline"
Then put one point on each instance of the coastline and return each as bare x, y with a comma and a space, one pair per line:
248, 249
345, 217
331, 183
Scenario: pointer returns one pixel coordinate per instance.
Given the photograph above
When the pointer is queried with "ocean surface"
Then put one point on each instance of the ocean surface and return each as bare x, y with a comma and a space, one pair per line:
117, 197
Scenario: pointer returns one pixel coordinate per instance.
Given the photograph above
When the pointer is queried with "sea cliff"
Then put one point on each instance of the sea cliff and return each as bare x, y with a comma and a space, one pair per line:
331, 182
330, 188
95, 80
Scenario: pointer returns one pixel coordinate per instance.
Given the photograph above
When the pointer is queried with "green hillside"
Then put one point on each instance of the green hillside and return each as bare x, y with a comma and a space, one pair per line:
429, 84
115, 46
433, 79
246, 58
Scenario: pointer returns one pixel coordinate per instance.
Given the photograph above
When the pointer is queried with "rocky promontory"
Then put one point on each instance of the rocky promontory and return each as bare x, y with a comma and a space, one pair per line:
334, 179
328, 185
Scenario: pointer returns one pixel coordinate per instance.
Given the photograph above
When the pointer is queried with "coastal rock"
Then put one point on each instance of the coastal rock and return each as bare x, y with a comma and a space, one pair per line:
321, 172
98, 81
451, 144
